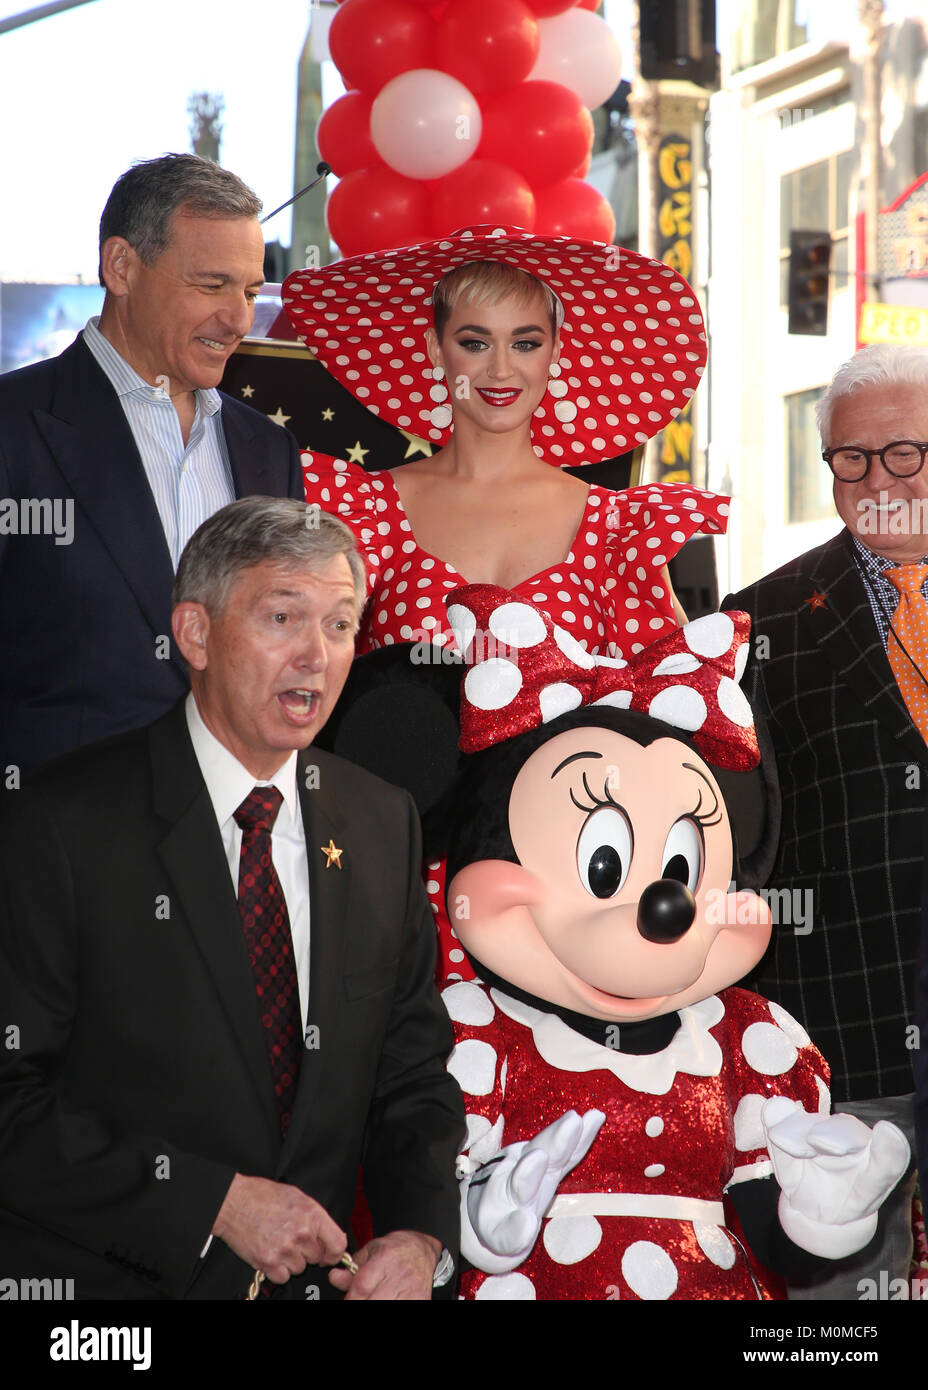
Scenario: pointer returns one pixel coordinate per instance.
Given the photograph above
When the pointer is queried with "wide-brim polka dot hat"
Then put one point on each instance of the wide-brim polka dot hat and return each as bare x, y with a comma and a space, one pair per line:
633, 343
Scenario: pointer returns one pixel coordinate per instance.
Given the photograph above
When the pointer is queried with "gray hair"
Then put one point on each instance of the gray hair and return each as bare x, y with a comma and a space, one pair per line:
880, 364
254, 529
144, 199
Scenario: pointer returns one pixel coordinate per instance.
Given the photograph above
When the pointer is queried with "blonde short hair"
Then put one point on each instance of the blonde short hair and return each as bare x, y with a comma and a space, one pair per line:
488, 282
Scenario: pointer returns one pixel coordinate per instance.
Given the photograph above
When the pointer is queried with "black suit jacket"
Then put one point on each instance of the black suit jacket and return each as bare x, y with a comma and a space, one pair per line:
920, 1052
136, 1082
80, 622
854, 776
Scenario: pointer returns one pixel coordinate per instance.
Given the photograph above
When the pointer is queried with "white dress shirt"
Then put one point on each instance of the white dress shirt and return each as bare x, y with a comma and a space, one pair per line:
189, 482
228, 784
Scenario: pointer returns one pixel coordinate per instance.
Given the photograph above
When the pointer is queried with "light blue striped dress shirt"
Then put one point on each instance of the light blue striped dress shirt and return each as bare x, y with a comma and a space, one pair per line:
189, 483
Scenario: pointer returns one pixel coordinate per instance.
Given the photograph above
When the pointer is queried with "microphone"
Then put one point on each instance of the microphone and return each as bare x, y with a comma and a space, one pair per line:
322, 170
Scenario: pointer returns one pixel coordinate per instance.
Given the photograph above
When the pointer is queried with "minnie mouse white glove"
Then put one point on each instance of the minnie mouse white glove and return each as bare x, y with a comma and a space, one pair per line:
503, 1202
834, 1173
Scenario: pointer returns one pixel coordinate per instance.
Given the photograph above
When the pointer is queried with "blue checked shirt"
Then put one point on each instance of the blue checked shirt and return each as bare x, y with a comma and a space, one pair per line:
189, 483
882, 592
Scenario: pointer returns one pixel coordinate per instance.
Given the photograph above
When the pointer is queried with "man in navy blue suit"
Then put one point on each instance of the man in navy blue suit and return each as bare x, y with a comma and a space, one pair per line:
113, 453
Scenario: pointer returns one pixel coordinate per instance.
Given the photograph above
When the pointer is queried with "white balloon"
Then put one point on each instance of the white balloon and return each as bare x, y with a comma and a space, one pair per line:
579, 50
425, 123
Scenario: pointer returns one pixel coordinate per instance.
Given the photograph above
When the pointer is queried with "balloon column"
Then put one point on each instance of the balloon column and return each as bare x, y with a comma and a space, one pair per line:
465, 111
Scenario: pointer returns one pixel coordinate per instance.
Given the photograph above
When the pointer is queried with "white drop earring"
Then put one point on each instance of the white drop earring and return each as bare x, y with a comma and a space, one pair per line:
440, 414
564, 410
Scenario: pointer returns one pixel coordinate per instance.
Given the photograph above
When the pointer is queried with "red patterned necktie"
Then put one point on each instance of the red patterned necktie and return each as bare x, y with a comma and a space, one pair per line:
266, 924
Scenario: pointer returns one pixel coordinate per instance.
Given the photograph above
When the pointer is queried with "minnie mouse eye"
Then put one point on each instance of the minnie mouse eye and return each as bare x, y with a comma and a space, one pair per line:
683, 854
604, 852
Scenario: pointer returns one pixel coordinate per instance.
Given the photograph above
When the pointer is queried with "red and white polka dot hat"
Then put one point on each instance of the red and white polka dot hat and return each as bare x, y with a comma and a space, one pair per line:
633, 345
525, 671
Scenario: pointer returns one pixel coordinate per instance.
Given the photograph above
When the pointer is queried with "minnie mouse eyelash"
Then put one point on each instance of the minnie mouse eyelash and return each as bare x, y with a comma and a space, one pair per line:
713, 815
596, 802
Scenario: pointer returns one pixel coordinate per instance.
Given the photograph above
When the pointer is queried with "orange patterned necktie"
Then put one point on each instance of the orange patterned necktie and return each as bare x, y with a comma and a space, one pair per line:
910, 622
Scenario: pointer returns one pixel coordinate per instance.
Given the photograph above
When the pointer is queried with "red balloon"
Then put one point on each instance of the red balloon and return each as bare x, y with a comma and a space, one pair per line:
573, 208
587, 4
372, 41
343, 135
583, 168
481, 191
487, 44
376, 209
539, 128
543, 9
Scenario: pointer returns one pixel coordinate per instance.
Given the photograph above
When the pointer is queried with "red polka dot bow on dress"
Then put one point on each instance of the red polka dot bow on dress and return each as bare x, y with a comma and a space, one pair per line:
525, 671
633, 342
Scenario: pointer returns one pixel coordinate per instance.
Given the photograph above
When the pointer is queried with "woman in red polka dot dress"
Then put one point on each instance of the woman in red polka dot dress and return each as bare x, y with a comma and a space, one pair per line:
539, 351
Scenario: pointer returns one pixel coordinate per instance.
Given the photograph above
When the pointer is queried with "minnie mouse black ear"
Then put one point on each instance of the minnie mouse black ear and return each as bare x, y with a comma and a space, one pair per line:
398, 718
754, 805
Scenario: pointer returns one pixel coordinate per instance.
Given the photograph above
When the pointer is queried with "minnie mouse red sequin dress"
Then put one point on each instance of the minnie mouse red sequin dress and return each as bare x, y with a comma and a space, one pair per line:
645, 1214
608, 593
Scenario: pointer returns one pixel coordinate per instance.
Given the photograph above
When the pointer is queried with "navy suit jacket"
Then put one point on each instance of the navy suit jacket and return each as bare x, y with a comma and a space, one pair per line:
80, 623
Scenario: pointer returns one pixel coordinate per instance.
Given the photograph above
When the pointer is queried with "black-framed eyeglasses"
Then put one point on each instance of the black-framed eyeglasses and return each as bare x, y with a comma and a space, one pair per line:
902, 458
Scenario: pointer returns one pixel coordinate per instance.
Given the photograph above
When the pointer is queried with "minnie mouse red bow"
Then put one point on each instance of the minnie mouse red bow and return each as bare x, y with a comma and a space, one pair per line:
525, 671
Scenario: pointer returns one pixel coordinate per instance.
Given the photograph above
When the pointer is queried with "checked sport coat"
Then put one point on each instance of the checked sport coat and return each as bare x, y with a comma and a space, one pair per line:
854, 774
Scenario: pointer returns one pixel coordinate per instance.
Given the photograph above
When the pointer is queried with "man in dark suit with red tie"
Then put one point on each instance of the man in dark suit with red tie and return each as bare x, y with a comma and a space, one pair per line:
839, 668
216, 969
114, 452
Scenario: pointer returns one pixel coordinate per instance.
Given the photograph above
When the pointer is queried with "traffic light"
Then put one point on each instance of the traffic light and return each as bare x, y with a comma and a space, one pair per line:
677, 40
809, 260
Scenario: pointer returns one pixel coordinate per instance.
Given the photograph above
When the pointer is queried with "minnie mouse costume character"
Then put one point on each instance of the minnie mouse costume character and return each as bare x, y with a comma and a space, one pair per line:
638, 1126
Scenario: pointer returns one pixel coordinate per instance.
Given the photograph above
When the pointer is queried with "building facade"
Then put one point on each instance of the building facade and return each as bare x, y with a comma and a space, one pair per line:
790, 145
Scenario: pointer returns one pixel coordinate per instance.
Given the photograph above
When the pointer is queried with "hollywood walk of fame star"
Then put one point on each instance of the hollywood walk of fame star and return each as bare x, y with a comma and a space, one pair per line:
356, 454
416, 445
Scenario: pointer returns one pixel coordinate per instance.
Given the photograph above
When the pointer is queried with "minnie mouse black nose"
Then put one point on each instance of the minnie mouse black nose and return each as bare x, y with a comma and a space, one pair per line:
666, 910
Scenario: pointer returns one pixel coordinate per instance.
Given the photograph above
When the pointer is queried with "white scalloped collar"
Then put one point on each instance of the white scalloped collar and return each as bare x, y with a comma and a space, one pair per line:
692, 1049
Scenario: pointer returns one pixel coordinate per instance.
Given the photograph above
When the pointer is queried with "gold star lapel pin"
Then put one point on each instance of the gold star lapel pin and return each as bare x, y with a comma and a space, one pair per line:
333, 855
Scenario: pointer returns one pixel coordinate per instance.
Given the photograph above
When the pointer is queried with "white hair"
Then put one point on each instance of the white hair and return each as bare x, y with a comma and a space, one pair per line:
880, 364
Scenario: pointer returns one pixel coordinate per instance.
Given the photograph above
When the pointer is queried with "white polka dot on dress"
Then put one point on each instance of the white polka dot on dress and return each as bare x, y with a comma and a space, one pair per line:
767, 1049
649, 1271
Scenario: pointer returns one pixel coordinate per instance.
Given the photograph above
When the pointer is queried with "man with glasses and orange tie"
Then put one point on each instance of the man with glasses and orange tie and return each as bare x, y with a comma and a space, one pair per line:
839, 667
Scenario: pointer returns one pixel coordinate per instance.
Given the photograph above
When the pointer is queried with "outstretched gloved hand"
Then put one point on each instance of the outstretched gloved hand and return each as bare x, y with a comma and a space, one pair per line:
834, 1173
503, 1203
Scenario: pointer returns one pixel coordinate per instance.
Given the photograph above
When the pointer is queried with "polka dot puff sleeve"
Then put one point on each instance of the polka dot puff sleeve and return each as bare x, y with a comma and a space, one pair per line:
644, 528
770, 1055
350, 494
478, 1064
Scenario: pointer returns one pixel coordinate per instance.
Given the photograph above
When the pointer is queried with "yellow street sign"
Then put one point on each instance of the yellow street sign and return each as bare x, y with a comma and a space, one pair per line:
893, 323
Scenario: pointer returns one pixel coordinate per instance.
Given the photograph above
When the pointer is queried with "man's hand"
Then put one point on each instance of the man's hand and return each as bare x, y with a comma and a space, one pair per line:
276, 1228
396, 1266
